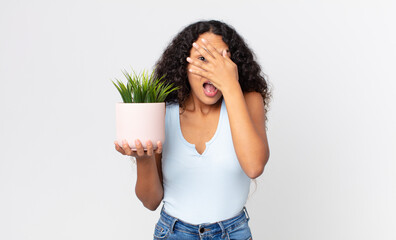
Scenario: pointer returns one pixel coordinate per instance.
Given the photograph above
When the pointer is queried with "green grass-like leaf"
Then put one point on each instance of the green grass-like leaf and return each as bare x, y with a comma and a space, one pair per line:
143, 88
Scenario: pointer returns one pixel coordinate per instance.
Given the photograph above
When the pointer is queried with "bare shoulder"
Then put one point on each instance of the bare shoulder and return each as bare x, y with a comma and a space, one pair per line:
254, 100
255, 104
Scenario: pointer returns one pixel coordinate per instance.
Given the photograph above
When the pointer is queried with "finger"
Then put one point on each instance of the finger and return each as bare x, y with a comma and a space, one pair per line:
200, 73
159, 148
197, 64
225, 53
149, 145
211, 48
204, 52
196, 68
125, 146
118, 148
139, 148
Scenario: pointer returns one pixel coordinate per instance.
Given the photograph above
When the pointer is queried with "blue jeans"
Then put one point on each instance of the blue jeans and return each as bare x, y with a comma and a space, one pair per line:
171, 228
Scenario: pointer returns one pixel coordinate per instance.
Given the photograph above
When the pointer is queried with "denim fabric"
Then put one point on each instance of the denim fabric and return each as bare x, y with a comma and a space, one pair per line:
171, 228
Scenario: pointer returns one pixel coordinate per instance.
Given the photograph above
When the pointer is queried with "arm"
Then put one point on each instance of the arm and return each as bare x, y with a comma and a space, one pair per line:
148, 187
246, 114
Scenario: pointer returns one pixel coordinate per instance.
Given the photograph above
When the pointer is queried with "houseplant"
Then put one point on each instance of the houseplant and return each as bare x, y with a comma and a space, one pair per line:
141, 115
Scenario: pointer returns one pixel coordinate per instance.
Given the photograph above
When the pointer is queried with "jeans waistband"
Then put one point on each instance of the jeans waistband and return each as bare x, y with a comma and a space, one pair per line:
205, 228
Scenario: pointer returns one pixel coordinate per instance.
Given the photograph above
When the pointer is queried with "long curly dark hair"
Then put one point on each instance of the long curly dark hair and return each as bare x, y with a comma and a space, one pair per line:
173, 61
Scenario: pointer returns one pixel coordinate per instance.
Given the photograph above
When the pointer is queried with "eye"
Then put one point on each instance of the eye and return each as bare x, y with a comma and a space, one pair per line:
202, 58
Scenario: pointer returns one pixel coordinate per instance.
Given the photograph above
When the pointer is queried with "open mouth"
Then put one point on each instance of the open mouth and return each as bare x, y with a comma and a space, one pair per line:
209, 89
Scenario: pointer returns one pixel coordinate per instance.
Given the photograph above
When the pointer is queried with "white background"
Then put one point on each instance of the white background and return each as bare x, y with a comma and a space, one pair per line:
331, 130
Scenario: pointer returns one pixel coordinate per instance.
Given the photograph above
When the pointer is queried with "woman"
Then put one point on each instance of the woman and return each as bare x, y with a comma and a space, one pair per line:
215, 136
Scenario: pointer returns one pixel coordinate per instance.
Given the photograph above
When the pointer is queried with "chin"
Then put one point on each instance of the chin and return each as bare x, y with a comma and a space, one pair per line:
212, 100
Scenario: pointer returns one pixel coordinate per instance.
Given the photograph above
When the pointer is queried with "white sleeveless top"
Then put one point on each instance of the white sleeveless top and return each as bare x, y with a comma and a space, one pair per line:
203, 188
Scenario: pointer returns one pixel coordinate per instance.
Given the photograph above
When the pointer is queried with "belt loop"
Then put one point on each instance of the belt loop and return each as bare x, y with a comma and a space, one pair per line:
173, 224
247, 215
223, 232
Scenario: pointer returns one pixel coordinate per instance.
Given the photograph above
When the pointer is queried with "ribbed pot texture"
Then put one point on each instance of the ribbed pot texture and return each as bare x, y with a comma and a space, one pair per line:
143, 121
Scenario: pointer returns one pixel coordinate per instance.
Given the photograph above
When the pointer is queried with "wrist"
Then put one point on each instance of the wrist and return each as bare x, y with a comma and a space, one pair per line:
145, 160
231, 89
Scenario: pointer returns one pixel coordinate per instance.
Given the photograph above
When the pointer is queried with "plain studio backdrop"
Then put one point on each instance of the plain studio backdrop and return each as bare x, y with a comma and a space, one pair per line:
331, 129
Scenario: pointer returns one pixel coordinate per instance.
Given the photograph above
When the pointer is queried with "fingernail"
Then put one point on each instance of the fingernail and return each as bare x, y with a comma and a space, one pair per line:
195, 45
188, 59
203, 40
136, 142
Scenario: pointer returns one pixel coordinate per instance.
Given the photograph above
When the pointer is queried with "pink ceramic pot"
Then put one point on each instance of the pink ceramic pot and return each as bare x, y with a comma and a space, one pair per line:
143, 121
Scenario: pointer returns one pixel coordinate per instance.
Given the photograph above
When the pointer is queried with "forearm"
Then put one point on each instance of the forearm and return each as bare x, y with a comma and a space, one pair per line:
148, 188
251, 149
